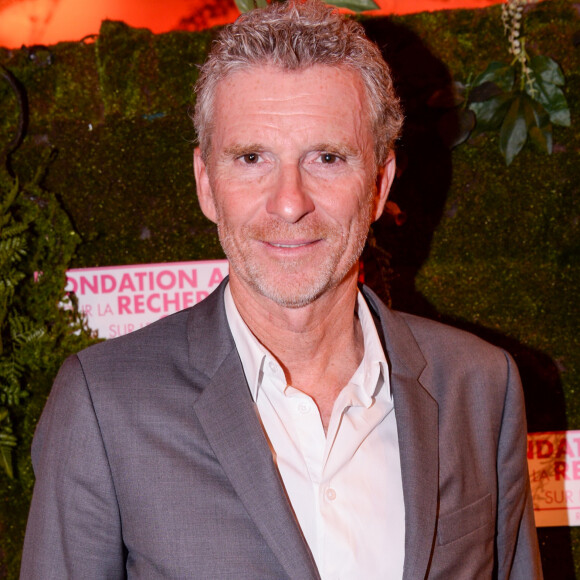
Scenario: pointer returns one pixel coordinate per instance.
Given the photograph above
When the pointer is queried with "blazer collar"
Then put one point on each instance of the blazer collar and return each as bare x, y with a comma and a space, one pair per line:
417, 414
229, 417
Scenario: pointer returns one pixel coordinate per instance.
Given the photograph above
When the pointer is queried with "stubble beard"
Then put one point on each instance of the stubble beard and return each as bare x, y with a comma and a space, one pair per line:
293, 283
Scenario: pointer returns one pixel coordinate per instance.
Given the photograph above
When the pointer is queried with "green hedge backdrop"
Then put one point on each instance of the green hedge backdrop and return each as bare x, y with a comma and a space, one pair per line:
490, 248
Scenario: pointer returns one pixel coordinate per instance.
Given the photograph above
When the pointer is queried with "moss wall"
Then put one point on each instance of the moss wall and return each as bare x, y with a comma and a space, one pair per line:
492, 249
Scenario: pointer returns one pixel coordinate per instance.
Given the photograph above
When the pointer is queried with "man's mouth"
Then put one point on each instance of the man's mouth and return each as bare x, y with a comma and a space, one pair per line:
298, 245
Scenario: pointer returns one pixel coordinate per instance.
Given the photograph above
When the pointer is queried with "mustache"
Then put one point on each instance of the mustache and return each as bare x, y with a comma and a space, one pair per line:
279, 230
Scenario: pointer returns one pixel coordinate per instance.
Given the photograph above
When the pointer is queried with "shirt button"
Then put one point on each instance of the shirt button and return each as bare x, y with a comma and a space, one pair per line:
273, 366
303, 407
330, 494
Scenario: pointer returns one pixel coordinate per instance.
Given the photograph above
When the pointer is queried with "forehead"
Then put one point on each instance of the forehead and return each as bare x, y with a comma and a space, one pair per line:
320, 97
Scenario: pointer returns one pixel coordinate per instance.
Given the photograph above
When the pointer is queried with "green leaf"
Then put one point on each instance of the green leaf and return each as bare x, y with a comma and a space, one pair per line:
6, 461
551, 98
247, 5
541, 139
490, 114
484, 92
499, 73
547, 69
356, 5
538, 123
528, 108
514, 131
244, 5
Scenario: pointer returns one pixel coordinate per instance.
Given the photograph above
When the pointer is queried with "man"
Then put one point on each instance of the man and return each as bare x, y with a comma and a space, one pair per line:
289, 426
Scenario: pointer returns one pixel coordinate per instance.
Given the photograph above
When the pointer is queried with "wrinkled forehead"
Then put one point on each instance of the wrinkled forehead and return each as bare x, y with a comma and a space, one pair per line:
257, 72
336, 92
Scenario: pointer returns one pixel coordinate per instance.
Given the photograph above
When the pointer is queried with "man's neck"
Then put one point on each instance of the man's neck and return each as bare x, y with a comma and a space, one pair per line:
319, 345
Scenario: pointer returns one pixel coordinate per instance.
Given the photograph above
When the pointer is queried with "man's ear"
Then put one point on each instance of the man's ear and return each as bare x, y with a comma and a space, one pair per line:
385, 177
204, 194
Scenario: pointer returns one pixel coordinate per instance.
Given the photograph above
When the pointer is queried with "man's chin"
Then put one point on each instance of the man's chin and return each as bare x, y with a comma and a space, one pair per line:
289, 295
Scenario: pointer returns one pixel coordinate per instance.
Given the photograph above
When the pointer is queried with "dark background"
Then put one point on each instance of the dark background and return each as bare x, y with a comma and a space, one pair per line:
489, 248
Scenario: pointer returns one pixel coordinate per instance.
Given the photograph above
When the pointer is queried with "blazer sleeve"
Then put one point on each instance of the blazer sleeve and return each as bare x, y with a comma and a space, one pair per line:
74, 527
518, 556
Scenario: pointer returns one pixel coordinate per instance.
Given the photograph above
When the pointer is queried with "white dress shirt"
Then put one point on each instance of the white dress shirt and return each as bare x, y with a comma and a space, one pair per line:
345, 487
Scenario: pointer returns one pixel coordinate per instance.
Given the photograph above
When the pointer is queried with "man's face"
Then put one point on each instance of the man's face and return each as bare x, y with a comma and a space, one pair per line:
291, 179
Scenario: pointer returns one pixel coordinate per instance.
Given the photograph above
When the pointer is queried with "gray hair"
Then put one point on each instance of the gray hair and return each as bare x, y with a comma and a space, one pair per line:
293, 36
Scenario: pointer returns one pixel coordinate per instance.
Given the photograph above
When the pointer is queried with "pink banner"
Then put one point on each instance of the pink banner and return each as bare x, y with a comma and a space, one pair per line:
554, 465
119, 299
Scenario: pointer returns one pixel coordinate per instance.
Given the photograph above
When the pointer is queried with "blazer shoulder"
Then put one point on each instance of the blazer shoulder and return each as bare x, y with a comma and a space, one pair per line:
455, 353
431, 334
171, 334
409, 337
462, 366
177, 344
164, 334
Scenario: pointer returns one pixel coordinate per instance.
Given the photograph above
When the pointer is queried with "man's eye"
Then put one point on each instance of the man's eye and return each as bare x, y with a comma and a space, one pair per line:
329, 158
251, 158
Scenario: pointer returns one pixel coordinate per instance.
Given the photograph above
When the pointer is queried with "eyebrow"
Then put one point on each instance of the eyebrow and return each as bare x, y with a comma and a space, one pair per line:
340, 149
239, 150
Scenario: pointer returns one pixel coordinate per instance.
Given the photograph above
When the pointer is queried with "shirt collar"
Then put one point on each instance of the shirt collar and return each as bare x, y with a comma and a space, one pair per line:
252, 353
371, 376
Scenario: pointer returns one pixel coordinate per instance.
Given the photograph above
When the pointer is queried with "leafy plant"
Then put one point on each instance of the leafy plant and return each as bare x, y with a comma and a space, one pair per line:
524, 98
12, 250
31, 226
39, 327
39, 324
354, 5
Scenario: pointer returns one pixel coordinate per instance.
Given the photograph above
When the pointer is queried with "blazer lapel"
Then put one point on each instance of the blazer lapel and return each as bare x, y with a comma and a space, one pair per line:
417, 424
229, 417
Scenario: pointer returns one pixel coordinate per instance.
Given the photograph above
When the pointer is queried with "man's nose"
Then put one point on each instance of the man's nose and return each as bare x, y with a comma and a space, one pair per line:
288, 199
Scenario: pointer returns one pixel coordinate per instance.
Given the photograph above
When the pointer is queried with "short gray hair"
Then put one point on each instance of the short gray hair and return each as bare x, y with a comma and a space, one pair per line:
294, 36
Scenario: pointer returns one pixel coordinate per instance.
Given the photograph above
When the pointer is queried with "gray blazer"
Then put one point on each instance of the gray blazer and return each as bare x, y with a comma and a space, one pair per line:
151, 461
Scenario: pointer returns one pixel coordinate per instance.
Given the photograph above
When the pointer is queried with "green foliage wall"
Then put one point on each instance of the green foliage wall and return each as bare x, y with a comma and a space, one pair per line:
36, 335
489, 248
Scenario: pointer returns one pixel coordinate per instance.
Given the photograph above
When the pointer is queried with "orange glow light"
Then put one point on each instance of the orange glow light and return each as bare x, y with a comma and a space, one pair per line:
32, 22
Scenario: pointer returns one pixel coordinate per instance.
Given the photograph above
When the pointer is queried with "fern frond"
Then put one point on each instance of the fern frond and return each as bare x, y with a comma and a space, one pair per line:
11, 372
24, 331
8, 284
13, 230
12, 250
9, 197
7, 442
